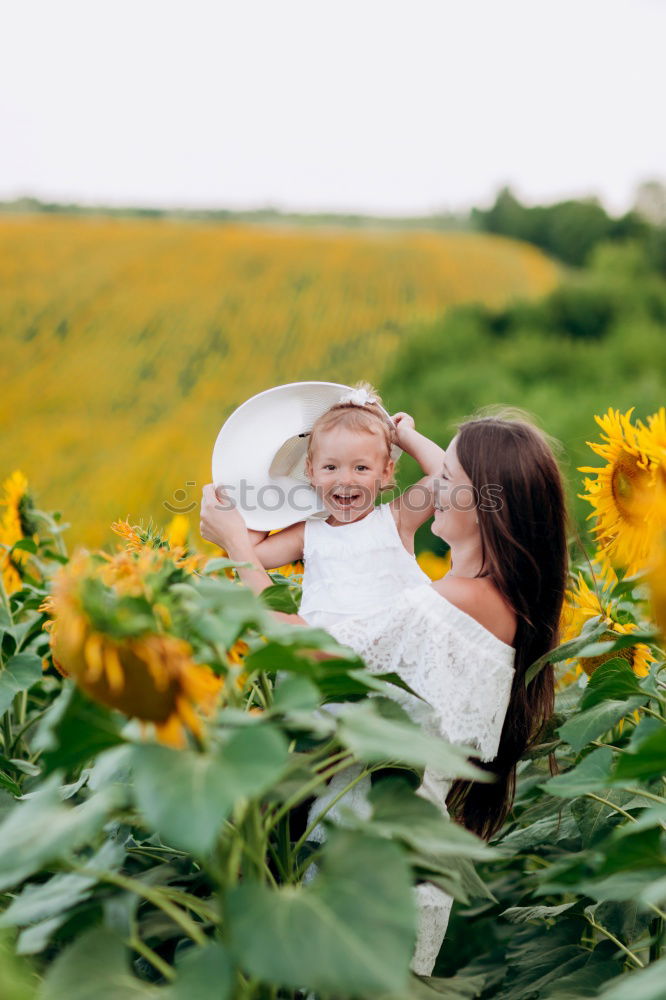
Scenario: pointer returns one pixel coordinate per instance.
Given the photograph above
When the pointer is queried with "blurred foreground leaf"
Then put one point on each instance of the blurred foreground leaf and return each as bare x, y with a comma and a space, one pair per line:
350, 932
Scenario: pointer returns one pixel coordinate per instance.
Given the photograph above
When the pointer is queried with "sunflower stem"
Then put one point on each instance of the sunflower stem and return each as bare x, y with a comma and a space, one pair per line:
646, 795
306, 789
611, 805
152, 895
158, 963
301, 840
266, 689
616, 941
650, 711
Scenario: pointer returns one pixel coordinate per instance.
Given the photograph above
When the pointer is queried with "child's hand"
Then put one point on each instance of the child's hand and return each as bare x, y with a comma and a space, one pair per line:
403, 424
221, 521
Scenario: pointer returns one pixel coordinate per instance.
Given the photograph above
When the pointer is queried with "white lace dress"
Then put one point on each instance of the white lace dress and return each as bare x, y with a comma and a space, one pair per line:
464, 673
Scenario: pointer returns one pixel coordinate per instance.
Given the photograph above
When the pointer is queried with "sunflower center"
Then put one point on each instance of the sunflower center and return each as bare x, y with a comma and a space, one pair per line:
629, 483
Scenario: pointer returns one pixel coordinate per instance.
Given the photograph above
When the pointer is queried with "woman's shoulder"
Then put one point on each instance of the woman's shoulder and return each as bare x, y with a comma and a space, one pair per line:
480, 599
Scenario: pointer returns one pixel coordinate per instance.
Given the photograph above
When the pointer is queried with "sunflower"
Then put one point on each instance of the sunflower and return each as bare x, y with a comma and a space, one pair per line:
177, 531
151, 676
139, 539
236, 658
289, 569
626, 492
131, 533
16, 523
433, 565
580, 606
651, 437
657, 575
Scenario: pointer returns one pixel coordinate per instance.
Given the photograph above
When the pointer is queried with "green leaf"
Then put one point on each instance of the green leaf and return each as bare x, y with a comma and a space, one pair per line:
586, 980
644, 984
645, 728
203, 974
583, 727
350, 932
9, 784
41, 829
399, 813
558, 825
341, 679
613, 680
636, 850
655, 892
538, 959
568, 650
596, 819
20, 673
75, 730
61, 892
25, 545
623, 886
647, 761
20, 631
524, 914
654, 815
95, 967
220, 563
627, 921
295, 694
17, 979
280, 598
437, 846
589, 775
186, 796
454, 875
594, 649
373, 738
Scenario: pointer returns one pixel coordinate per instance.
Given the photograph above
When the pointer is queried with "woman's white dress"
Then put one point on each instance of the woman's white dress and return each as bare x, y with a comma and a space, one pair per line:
363, 587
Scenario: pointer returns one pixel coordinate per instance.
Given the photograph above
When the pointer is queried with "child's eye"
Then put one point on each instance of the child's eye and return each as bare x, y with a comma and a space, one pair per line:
362, 467
327, 467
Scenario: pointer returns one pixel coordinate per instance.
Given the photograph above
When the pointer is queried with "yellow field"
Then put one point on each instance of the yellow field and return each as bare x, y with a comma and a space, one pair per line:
125, 343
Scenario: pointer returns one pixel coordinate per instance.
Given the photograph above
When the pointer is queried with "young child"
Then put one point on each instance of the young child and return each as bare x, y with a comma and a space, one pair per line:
358, 557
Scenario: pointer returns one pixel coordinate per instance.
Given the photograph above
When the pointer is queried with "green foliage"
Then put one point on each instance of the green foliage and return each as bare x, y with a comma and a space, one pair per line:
130, 869
596, 341
570, 230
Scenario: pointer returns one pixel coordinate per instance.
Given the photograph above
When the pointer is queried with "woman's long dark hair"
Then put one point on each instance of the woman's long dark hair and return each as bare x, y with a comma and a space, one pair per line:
524, 550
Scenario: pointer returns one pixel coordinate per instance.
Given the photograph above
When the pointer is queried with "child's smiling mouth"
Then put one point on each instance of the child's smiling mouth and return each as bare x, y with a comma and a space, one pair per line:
346, 499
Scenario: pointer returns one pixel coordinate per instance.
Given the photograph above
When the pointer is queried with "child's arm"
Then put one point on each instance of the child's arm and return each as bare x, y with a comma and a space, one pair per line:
428, 454
416, 505
256, 536
280, 548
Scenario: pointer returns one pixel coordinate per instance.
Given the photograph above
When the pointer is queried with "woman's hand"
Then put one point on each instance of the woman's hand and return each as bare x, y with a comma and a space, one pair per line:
221, 522
404, 423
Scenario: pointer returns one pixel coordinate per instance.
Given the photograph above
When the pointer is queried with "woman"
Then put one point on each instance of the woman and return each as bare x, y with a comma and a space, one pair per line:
465, 642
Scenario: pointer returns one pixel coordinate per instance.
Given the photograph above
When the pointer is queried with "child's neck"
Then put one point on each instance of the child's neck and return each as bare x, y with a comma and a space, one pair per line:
333, 522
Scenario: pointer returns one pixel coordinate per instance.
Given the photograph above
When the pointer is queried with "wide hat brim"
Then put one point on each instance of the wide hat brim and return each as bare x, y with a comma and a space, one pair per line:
259, 454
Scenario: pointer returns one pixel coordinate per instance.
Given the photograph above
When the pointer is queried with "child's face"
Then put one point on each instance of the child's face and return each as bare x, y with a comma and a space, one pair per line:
348, 469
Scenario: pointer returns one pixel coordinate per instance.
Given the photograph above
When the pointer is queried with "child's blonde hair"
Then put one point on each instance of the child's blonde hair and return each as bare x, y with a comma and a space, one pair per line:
367, 417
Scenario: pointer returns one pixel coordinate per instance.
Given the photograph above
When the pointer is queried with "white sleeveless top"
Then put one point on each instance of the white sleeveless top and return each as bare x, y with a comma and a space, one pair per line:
354, 569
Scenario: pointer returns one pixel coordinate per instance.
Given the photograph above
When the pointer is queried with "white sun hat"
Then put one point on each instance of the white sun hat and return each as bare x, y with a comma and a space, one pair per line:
259, 454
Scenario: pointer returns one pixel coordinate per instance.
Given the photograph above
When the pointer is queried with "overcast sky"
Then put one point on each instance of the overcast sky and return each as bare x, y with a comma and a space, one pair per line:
374, 105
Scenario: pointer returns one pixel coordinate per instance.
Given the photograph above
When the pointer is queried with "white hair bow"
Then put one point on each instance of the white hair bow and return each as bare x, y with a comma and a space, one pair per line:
359, 397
